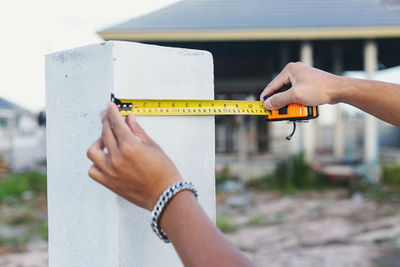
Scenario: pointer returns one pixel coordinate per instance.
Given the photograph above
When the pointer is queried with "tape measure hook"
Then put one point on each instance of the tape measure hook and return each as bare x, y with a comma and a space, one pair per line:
115, 100
120, 105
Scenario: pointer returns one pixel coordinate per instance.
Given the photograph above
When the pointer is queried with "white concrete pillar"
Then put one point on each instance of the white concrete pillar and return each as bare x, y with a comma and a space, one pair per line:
88, 224
371, 129
339, 138
308, 129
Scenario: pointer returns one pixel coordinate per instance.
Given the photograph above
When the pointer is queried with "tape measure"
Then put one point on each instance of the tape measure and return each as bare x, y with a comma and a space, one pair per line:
175, 107
163, 107
151, 107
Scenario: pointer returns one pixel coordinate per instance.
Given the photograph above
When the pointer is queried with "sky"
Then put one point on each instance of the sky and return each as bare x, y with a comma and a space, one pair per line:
31, 29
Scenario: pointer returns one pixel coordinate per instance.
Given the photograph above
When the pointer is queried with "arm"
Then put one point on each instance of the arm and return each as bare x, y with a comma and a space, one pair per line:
195, 238
141, 180
313, 87
377, 98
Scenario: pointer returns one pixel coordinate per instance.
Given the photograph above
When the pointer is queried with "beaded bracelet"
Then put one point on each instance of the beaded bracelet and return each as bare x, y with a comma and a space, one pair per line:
162, 202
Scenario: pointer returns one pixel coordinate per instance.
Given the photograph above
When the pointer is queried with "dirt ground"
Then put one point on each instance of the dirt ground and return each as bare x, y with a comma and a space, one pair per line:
328, 229
34, 255
310, 229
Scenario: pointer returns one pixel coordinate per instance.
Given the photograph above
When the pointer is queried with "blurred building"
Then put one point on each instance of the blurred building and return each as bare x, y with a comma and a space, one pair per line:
22, 144
251, 41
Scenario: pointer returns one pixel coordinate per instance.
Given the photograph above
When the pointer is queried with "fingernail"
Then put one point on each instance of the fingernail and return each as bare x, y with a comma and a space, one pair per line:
267, 103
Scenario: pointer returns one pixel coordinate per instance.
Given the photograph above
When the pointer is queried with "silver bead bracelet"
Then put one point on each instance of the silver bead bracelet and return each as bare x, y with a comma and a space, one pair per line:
162, 202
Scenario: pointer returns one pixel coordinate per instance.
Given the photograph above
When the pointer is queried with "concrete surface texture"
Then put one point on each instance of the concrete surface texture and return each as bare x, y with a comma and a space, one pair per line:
89, 225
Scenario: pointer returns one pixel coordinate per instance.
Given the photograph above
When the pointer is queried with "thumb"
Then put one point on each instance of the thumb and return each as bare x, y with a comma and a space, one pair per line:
137, 130
279, 100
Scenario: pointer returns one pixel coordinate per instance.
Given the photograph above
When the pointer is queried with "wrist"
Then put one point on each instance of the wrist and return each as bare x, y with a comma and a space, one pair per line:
341, 87
159, 189
170, 214
347, 89
164, 201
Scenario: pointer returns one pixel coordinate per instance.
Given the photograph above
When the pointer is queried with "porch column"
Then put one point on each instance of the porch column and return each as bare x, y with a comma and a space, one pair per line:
308, 129
371, 148
242, 148
339, 138
282, 128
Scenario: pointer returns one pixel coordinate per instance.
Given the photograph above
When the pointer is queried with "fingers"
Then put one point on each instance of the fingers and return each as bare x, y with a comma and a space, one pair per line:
119, 127
108, 137
282, 79
138, 130
97, 175
96, 154
280, 100
96, 148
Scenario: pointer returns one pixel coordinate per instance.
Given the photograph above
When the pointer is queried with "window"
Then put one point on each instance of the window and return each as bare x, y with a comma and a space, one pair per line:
3, 123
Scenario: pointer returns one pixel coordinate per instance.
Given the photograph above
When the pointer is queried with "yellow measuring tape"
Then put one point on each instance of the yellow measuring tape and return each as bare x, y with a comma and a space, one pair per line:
146, 107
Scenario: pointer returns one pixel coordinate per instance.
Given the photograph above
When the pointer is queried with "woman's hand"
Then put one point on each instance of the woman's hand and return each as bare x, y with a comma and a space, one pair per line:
313, 87
310, 87
134, 167
137, 169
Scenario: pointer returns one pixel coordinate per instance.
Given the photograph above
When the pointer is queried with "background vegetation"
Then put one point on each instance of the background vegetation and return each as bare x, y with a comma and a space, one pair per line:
23, 209
291, 175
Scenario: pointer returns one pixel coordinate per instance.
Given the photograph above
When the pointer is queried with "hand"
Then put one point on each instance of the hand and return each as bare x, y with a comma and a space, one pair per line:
135, 167
310, 87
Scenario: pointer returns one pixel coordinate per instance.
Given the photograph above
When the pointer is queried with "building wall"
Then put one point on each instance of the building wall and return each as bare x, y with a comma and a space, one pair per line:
23, 144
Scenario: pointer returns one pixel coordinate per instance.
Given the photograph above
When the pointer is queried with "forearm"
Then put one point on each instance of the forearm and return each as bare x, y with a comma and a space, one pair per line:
195, 238
380, 99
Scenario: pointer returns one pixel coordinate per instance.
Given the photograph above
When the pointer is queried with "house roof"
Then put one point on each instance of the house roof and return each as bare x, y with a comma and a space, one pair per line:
261, 19
7, 105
